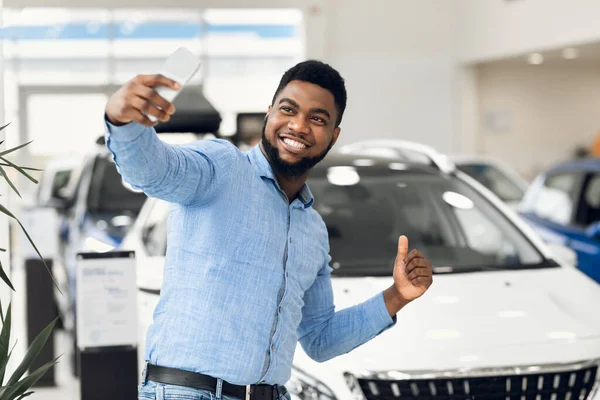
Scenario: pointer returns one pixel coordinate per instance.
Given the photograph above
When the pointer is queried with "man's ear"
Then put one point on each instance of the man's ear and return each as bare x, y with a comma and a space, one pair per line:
269, 110
335, 135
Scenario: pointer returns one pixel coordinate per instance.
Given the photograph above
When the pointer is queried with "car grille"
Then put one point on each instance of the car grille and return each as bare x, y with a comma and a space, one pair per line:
567, 385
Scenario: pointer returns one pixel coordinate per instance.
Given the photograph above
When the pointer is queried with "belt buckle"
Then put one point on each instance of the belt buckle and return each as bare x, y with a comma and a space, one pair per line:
248, 392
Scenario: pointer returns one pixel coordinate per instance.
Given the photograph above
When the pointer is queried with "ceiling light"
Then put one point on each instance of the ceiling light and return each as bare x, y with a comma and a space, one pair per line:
570, 53
535, 59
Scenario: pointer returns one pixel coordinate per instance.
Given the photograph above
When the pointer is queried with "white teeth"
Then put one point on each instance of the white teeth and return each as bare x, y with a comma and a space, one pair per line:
294, 144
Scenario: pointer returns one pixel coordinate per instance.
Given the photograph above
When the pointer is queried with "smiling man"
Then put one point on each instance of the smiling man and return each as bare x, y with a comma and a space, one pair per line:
247, 271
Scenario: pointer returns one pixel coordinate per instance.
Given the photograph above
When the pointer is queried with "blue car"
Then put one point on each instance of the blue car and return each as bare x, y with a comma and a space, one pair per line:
563, 205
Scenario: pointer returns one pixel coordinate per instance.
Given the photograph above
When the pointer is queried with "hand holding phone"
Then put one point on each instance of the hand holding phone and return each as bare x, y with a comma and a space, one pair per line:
147, 99
180, 67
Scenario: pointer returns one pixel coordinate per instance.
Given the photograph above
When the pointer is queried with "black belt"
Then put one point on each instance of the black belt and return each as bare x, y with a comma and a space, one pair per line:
178, 377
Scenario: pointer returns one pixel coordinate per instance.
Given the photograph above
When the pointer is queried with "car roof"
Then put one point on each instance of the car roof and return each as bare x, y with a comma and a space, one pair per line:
584, 164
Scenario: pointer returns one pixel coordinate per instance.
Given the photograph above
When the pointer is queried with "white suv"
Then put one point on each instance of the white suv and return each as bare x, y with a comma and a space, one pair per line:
504, 319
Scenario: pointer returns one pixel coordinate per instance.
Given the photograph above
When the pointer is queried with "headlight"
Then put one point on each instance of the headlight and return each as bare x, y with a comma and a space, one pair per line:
305, 387
94, 244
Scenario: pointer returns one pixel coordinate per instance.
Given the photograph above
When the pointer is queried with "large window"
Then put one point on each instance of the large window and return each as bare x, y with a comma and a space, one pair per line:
244, 52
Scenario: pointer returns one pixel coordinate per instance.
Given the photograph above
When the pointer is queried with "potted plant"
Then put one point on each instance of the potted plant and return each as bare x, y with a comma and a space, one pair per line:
19, 384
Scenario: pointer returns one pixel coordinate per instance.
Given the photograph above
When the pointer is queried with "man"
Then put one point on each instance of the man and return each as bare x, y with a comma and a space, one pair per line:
247, 267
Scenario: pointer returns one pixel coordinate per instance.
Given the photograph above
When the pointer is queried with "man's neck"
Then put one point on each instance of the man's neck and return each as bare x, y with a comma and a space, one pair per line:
291, 186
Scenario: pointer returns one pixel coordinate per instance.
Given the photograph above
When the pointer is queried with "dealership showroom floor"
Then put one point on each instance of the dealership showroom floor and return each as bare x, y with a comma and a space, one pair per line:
470, 130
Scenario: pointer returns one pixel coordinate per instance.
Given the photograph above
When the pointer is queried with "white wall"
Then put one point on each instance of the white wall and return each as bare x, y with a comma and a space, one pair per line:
398, 59
489, 29
549, 109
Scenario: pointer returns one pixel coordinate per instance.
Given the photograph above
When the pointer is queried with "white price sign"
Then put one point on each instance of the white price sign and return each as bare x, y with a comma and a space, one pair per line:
106, 299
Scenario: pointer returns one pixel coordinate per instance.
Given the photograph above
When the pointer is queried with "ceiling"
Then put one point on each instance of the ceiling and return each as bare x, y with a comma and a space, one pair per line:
585, 55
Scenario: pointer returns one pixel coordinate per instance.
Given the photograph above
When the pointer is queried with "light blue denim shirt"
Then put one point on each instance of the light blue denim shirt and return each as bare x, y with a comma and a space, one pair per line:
247, 273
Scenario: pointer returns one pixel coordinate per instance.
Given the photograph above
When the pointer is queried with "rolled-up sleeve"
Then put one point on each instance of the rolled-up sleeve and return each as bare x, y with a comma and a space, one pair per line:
192, 173
325, 333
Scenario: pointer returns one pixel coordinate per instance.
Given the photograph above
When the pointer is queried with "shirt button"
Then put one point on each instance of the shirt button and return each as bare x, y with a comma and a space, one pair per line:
290, 240
272, 347
280, 309
287, 274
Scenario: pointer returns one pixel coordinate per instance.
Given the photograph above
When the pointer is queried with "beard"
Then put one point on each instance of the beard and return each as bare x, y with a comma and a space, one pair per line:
285, 169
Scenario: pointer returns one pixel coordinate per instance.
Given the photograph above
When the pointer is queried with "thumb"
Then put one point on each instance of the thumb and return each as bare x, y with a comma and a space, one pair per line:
402, 249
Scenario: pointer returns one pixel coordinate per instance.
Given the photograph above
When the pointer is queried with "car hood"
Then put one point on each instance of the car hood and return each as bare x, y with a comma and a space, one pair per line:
482, 319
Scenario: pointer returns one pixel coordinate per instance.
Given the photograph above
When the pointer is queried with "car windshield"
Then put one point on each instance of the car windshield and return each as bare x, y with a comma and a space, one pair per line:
443, 217
494, 179
107, 192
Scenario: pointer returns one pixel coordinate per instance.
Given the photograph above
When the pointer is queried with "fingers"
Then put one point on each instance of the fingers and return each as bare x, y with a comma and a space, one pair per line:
157, 80
152, 95
422, 281
412, 255
402, 248
417, 272
146, 107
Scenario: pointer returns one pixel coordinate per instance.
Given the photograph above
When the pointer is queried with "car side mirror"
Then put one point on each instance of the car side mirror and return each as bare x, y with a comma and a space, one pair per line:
563, 254
593, 230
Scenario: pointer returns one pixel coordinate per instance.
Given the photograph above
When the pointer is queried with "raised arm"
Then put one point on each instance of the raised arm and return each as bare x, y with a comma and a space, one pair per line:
179, 174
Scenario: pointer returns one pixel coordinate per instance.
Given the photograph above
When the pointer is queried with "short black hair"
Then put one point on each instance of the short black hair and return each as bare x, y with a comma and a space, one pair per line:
321, 74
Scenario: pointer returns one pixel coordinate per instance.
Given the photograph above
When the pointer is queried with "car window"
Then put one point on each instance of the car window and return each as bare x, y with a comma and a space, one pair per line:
154, 231
108, 194
493, 179
589, 206
445, 218
61, 178
557, 197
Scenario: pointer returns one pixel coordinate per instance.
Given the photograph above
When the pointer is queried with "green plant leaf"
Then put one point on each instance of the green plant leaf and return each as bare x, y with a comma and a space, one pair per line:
34, 350
21, 170
25, 168
4, 277
9, 182
3, 128
25, 395
5, 152
5, 342
4, 363
7, 212
26, 383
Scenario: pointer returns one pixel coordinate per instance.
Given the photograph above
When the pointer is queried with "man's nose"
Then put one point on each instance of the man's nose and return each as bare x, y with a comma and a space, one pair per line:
299, 124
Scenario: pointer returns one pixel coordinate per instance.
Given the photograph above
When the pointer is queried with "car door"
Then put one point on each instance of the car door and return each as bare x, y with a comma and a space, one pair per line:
553, 211
588, 213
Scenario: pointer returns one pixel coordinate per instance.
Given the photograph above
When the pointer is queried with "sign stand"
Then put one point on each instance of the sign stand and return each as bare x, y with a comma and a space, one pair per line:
40, 302
106, 309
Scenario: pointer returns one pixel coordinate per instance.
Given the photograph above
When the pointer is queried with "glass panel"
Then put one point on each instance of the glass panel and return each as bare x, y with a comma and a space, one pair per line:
64, 123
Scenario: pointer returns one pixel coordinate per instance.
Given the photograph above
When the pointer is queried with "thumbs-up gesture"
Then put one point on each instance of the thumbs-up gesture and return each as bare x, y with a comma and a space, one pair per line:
412, 272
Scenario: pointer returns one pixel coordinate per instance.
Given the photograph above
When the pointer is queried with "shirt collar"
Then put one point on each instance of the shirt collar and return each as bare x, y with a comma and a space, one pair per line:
260, 162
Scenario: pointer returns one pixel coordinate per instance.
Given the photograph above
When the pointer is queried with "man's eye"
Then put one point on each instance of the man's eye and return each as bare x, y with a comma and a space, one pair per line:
286, 109
320, 120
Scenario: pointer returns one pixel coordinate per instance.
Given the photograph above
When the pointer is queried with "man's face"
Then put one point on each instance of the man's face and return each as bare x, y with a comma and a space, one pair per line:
300, 128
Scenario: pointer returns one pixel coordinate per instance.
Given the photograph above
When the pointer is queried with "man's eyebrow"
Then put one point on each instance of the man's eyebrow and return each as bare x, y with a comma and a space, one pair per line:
320, 111
312, 110
292, 102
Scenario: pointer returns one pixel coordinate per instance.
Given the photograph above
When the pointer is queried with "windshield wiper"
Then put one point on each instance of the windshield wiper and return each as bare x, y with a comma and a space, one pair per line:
447, 269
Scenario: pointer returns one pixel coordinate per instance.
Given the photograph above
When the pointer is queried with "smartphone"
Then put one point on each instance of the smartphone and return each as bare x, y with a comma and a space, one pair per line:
180, 66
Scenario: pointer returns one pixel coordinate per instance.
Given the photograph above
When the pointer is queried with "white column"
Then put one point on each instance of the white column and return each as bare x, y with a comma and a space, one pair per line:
5, 292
